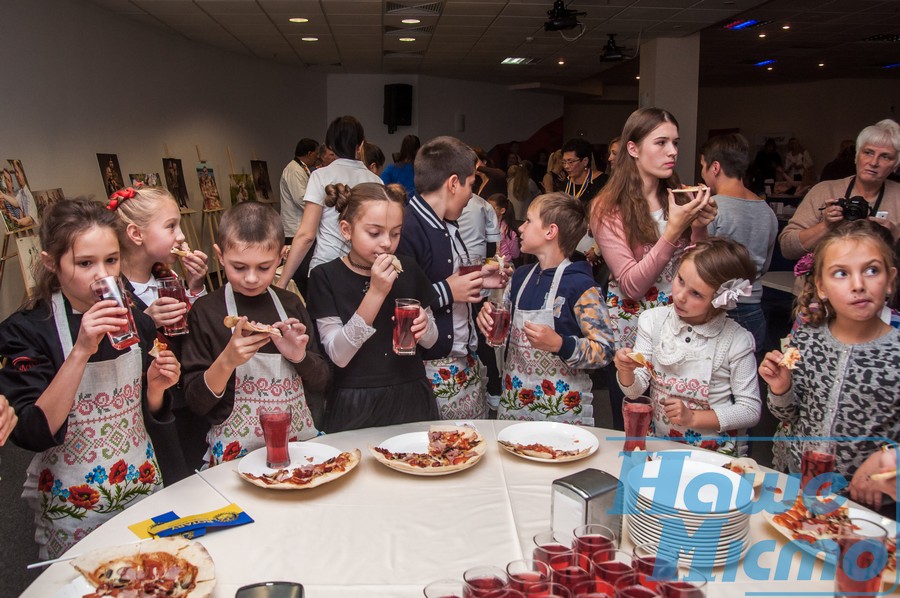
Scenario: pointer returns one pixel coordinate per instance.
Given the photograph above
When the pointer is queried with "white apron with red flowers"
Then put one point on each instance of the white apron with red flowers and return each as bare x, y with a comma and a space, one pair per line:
106, 461
459, 386
267, 379
538, 385
691, 385
624, 312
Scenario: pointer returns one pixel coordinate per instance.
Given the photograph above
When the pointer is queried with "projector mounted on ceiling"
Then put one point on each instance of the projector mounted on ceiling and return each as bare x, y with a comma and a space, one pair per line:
612, 52
561, 18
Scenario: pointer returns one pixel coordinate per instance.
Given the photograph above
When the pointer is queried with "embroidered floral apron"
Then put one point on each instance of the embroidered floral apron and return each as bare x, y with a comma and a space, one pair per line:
690, 385
267, 379
539, 385
106, 461
624, 312
458, 385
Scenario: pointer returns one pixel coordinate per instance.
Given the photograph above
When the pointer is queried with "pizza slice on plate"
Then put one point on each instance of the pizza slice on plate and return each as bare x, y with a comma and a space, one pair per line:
450, 448
159, 567
309, 475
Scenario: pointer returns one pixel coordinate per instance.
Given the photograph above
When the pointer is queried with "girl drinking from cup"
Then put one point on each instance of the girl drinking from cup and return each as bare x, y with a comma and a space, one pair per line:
847, 380
699, 365
641, 229
68, 384
149, 236
352, 300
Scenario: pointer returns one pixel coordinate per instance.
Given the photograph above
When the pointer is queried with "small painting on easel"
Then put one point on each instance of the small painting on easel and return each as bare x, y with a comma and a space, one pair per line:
44, 199
149, 179
111, 173
260, 171
18, 208
175, 181
29, 254
242, 188
208, 188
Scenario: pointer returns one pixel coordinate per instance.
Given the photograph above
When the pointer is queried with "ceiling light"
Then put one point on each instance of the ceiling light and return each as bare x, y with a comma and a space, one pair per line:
769, 68
821, 64
762, 34
638, 77
309, 39
410, 21
763, 62
512, 60
561, 61
785, 26
298, 20
407, 39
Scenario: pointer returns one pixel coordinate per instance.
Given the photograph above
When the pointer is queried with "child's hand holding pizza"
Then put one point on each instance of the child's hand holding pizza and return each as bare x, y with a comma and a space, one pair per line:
243, 344
775, 371
294, 340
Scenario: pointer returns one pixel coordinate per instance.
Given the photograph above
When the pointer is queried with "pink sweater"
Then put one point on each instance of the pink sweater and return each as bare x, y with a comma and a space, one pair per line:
635, 268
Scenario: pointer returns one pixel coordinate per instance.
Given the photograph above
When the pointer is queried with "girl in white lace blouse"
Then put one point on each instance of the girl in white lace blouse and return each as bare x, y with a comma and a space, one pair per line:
702, 371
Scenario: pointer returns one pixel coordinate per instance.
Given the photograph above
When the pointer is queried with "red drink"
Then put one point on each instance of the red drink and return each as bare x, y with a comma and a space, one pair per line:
482, 586
636, 592
463, 270
500, 328
608, 573
172, 287
526, 579
682, 589
545, 553
405, 312
637, 423
588, 589
651, 570
815, 463
570, 576
588, 545
850, 577
111, 288
276, 426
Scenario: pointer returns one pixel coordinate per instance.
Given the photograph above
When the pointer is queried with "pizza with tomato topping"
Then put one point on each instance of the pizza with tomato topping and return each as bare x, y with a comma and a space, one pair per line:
542, 451
449, 449
160, 567
308, 475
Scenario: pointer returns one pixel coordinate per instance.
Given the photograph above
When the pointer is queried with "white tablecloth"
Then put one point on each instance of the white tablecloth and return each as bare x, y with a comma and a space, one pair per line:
379, 532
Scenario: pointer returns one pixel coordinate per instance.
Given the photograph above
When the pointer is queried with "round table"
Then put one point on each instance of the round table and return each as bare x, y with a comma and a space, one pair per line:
379, 532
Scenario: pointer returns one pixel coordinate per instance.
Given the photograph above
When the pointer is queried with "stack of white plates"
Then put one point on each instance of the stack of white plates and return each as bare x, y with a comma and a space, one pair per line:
704, 512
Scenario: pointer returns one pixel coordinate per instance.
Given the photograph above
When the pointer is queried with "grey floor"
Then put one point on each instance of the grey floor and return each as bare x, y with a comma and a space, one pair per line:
17, 547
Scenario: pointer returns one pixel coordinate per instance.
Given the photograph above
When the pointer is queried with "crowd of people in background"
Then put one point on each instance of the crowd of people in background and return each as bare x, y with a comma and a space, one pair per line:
613, 274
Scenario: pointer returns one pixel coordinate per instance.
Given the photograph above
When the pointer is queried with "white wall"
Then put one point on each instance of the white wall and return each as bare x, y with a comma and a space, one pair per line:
80, 80
493, 114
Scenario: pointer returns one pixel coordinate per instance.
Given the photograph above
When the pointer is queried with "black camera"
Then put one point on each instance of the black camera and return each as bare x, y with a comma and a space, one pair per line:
855, 208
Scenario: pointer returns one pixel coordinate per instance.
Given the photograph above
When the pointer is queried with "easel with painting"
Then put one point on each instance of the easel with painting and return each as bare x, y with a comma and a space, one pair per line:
27, 248
212, 215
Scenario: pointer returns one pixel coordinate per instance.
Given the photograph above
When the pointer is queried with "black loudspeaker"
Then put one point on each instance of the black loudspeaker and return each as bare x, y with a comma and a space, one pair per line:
397, 105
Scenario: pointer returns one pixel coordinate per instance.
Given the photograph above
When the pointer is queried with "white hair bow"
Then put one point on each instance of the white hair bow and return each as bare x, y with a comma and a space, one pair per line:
729, 292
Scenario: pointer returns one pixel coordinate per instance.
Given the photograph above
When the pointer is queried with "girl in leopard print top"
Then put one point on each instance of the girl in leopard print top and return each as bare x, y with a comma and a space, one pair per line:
847, 382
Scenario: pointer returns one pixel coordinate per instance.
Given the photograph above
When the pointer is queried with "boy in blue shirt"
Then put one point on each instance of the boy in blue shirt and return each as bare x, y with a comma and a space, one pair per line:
560, 324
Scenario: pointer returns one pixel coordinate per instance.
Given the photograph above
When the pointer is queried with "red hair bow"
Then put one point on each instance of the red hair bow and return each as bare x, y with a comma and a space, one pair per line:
121, 195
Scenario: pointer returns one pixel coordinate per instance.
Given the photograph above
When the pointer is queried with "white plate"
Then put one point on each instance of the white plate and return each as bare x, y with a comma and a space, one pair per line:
889, 524
76, 588
703, 558
302, 453
739, 494
755, 475
417, 442
556, 435
707, 543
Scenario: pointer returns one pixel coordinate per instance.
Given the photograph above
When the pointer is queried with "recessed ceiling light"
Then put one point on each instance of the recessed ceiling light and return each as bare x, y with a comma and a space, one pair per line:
638, 77
762, 34
407, 39
298, 20
410, 21
561, 61
821, 64
785, 26
512, 60
310, 39
768, 68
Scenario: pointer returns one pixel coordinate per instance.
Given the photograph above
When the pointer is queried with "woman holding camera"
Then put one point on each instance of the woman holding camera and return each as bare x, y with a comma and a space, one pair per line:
868, 194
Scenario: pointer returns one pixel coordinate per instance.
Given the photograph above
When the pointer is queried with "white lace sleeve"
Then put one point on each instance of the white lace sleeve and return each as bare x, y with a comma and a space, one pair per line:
342, 341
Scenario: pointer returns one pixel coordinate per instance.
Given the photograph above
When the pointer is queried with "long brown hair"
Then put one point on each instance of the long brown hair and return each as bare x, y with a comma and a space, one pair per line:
624, 192
64, 222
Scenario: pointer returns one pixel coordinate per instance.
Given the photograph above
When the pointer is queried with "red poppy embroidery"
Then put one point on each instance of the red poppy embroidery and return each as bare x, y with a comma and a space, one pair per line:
630, 306
83, 496
710, 444
652, 294
445, 374
45, 481
572, 399
526, 397
148, 473
232, 451
548, 388
117, 472
461, 377
507, 382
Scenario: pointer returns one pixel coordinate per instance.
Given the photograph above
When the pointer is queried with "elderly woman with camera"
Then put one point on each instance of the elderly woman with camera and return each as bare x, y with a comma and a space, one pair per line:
867, 194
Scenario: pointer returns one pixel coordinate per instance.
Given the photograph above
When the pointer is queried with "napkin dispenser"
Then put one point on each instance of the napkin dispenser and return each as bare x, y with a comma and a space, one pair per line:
585, 497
